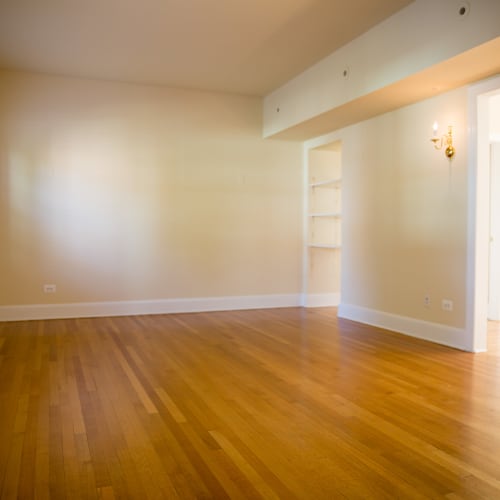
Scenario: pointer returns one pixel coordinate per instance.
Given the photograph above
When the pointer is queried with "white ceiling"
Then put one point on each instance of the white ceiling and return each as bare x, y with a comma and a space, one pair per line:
240, 46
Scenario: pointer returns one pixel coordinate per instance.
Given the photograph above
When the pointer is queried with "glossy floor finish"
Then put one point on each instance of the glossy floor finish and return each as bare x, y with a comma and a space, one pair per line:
284, 403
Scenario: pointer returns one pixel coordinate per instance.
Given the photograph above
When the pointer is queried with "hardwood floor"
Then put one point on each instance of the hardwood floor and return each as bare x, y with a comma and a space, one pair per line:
284, 403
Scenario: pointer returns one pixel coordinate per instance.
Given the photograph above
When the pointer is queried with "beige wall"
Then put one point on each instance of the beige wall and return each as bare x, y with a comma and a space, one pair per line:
405, 212
125, 192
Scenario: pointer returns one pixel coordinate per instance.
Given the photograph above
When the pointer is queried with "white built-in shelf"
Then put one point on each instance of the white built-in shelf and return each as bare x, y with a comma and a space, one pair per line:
323, 220
327, 183
326, 214
319, 245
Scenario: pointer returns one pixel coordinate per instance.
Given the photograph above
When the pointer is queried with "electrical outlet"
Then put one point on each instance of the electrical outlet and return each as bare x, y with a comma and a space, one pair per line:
427, 300
49, 288
447, 305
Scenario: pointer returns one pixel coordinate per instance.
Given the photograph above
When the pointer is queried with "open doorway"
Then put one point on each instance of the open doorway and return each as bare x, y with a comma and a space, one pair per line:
494, 260
483, 263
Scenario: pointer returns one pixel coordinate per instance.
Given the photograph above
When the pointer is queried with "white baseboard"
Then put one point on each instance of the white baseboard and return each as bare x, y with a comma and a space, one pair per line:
321, 299
433, 332
136, 307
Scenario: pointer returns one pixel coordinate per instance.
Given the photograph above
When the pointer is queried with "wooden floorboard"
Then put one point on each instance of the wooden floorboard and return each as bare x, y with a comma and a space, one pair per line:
281, 403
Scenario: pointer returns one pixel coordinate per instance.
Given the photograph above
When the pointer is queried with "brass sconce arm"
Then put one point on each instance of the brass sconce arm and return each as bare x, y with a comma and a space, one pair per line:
447, 140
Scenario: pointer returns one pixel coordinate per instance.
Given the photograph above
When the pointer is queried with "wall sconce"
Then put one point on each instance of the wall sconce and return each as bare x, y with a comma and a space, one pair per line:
447, 139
